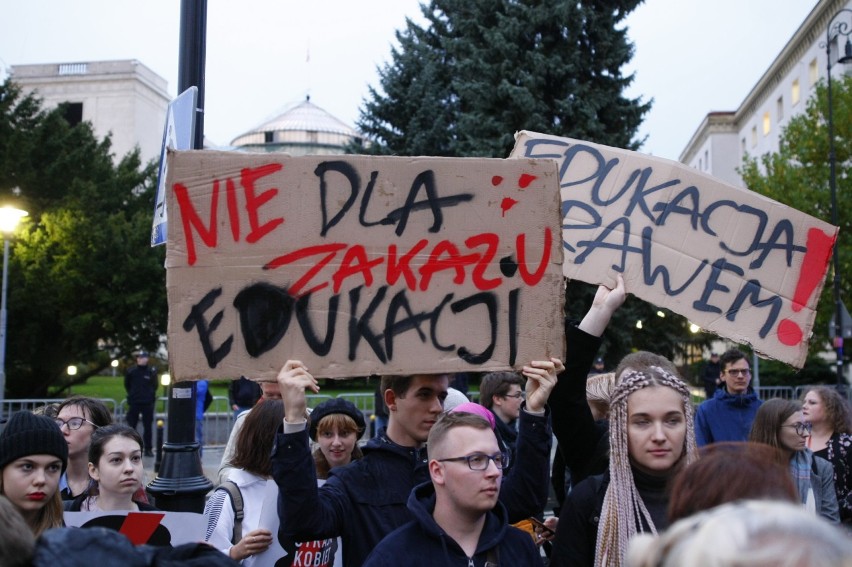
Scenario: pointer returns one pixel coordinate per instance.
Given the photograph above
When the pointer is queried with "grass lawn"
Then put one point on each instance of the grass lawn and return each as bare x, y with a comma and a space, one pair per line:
110, 387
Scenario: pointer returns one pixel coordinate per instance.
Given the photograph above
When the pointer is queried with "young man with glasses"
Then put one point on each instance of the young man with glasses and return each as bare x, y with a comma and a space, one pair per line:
501, 393
77, 418
728, 415
366, 500
457, 516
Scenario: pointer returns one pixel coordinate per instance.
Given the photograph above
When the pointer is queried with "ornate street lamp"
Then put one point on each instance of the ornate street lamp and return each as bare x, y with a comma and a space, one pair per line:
839, 27
9, 219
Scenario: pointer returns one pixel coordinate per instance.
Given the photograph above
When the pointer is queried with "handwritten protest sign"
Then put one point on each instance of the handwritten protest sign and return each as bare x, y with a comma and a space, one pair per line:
732, 261
358, 265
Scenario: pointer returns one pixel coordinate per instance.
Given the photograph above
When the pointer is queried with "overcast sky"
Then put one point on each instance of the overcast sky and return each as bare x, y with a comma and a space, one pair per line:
264, 56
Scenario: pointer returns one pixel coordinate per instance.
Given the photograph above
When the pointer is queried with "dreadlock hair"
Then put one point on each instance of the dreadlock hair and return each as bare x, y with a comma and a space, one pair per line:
623, 510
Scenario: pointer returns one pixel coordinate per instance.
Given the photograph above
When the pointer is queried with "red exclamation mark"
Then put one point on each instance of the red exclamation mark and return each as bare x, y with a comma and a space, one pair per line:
814, 266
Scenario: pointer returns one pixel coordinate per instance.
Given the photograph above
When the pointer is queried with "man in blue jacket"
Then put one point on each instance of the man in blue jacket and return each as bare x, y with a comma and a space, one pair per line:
364, 501
457, 516
728, 415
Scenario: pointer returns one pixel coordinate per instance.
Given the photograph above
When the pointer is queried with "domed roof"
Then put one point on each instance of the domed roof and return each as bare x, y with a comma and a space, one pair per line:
304, 117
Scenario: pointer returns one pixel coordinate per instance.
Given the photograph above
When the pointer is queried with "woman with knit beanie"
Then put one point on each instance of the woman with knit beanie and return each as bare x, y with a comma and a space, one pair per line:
33, 455
651, 437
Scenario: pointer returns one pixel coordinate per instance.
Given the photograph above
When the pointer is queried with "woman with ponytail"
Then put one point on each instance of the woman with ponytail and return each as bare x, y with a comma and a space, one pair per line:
651, 437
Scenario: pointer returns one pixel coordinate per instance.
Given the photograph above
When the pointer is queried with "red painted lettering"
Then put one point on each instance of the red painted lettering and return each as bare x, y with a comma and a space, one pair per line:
453, 261
248, 178
491, 241
402, 267
534, 278
355, 262
190, 219
330, 250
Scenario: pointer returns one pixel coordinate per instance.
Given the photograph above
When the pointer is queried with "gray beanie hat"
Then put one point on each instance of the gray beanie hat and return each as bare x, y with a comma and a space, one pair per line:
28, 434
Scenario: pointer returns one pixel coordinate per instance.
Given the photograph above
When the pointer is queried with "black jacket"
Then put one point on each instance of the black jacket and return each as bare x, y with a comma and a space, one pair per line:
577, 533
366, 500
140, 382
423, 543
84, 547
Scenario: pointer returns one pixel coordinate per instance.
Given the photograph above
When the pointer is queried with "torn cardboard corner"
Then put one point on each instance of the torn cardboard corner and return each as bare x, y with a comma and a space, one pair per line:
734, 262
359, 265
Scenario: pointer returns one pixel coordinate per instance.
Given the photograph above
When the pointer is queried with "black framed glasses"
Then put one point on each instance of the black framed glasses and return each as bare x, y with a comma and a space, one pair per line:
516, 395
802, 429
74, 423
479, 461
745, 372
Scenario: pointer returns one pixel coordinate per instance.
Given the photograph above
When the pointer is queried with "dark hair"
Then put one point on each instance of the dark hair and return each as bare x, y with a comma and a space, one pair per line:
768, 420
726, 472
642, 360
255, 440
730, 357
102, 435
497, 384
837, 410
400, 383
99, 414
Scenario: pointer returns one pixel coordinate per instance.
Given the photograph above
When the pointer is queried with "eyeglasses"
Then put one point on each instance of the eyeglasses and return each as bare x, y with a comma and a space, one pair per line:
479, 461
745, 372
802, 429
74, 423
516, 395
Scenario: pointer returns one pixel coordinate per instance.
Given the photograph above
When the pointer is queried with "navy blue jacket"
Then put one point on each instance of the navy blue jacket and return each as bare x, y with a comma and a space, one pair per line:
140, 383
366, 500
422, 542
725, 417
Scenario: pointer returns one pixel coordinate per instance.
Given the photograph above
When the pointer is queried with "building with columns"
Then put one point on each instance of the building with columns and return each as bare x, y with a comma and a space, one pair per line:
124, 98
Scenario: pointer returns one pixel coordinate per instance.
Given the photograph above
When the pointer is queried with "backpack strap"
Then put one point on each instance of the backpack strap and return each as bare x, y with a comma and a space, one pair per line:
233, 491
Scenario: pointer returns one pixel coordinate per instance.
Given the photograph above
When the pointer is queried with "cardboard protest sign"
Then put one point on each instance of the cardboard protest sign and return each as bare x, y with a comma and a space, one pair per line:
358, 265
732, 261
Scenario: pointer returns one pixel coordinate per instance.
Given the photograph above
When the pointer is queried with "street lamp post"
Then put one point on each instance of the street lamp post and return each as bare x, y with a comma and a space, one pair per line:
838, 28
9, 219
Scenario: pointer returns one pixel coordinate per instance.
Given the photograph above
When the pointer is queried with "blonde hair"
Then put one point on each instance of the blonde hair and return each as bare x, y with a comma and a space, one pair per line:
599, 391
623, 510
756, 533
48, 516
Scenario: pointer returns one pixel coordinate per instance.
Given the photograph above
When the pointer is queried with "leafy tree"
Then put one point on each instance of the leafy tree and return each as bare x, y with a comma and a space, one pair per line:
84, 284
482, 70
798, 175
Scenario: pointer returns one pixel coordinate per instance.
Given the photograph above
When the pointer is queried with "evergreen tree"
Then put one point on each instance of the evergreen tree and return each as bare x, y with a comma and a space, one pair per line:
798, 175
484, 69
84, 283
480, 70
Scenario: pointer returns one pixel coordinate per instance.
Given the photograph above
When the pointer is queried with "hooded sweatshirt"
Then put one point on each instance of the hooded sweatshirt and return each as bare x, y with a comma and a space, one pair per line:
422, 542
725, 417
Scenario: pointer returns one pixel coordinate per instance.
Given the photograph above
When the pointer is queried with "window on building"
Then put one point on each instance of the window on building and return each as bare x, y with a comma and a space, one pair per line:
743, 145
813, 72
753, 136
706, 159
779, 108
73, 112
794, 92
767, 123
267, 137
700, 165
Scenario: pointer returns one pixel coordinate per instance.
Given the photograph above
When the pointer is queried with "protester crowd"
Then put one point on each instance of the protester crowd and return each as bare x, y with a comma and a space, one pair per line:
642, 477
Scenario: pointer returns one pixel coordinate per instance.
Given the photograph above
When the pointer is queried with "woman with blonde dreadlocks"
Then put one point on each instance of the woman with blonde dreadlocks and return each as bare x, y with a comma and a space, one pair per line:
651, 437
